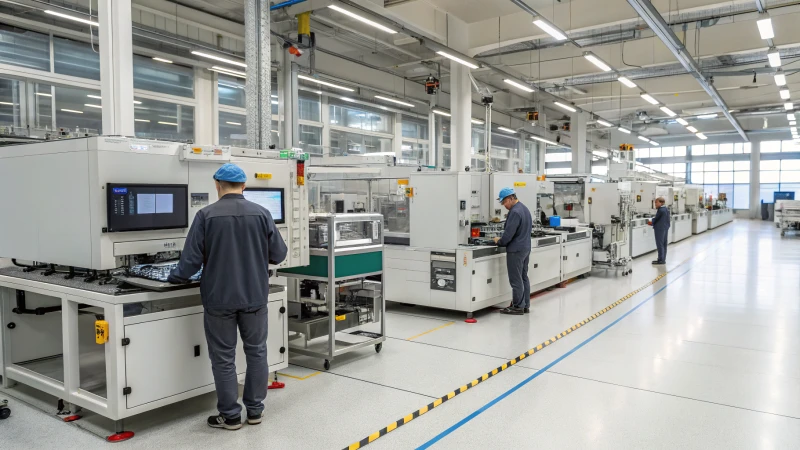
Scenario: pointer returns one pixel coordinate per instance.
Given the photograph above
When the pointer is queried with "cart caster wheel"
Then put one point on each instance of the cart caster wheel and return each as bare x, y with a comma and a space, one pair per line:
5, 413
378, 347
327, 365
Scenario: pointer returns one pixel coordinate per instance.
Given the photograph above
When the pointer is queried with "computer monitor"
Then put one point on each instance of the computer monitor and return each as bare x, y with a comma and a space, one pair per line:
141, 207
271, 199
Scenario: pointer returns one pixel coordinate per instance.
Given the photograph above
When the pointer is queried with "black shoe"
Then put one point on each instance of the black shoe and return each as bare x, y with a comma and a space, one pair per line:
512, 311
527, 310
659, 263
222, 422
655, 262
255, 419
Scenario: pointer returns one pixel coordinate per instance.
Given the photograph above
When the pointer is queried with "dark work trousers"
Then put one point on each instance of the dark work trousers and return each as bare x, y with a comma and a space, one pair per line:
517, 263
221, 326
662, 237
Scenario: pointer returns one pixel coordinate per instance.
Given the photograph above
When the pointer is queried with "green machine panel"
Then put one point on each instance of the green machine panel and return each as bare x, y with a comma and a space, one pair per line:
346, 265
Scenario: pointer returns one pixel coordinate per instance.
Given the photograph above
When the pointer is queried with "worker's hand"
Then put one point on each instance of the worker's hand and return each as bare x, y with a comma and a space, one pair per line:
650, 223
496, 240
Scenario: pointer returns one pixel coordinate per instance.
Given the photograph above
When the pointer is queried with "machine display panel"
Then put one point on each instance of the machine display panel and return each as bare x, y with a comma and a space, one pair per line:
140, 207
271, 199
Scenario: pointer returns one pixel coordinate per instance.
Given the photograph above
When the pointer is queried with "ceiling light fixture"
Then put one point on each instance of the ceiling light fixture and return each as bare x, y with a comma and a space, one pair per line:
458, 60
604, 123
692, 129
441, 112
141, 120
362, 19
790, 116
232, 73
780, 78
626, 82
92, 96
387, 99
44, 94
701, 136
765, 28
567, 107
550, 29
788, 106
169, 123
668, 111
649, 99
682, 121
774, 57
219, 58
597, 61
642, 138
477, 122
137, 102
519, 85
72, 111
792, 122
76, 19
162, 60
92, 106
785, 94
624, 130
234, 123
707, 116
540, 139
8, 103
507, 130
325, 83
655, 144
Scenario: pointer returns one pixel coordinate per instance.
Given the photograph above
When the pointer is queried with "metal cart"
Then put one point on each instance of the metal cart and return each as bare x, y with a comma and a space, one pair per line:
346, 257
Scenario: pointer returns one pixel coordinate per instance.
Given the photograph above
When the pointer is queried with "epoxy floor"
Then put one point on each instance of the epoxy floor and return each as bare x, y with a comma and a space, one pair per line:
705, 358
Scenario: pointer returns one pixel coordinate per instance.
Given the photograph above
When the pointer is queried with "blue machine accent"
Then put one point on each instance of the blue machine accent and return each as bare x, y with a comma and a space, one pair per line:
285, 4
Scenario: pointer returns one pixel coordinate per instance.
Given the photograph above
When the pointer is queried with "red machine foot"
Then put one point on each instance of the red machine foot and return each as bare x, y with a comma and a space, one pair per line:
276, 385
119, 437
71, 418
471, 320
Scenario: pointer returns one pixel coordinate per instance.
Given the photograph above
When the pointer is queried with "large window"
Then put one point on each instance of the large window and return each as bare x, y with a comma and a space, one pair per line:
24, 48
232, 129
557, 161
78, 110
415, 144
728, 177
172, 79
231, 91
162, 120
779, 175
345, 143
77, 59
10, 113
359, 117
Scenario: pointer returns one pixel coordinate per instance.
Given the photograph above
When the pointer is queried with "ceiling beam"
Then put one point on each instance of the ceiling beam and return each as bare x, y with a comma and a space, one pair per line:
656, 22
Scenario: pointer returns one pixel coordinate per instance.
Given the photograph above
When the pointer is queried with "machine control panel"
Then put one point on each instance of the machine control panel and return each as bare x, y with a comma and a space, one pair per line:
443, 271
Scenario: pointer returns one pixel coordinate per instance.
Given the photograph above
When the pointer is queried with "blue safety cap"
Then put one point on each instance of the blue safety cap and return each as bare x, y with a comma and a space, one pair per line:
230, 173
505, 192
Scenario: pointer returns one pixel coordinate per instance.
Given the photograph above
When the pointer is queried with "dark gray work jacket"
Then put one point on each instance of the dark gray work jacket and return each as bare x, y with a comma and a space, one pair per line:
661, 222
234, 240
517, 234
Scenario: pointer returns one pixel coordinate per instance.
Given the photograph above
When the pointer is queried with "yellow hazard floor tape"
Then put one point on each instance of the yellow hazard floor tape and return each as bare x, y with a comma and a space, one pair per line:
398, 423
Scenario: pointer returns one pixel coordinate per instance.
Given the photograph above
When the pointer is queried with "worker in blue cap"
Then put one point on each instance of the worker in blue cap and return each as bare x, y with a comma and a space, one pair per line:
517, 241
234, 241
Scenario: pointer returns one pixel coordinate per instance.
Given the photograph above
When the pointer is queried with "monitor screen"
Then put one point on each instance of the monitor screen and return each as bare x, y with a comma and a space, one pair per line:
139, 207
269, 198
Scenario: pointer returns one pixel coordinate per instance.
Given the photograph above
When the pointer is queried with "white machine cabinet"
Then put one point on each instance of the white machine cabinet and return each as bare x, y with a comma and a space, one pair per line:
699, 221
643, 238
576, 254
681, 227
541, 270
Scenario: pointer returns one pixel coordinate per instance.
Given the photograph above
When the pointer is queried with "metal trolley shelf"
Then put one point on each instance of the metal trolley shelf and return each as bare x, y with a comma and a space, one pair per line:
346, 250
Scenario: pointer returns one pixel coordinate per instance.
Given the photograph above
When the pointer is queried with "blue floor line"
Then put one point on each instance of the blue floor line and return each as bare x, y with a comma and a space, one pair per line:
475, 414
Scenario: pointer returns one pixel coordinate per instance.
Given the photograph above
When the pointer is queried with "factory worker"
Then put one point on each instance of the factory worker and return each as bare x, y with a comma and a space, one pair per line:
661, 224
517, 241
234, 241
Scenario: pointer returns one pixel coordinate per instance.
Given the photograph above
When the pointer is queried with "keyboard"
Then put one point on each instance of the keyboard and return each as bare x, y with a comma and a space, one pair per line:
159, 271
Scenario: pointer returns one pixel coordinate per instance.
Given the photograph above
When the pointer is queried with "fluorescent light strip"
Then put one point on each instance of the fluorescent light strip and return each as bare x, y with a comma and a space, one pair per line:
790, 116
780, 79
549, 29
441, 112
76, 19
230, 71
362, 19
788, 106
567, 107
477, 122
95, 96
458, 60
72, 111
774, 57
624, 130
387, 99
233, 74
785, 94
168, 123
92, 106
692, 129
642, 138
649, 99
234, 123
325, 83
668, 111
137, 102
792, 122
162, 60
141, 120
8, 104
275, 102
44, 94
654, 143
597, 62
701, 136
794, 130
707, 116
219, 58
604, 123
626, 82
682, 121
518, 85
507, 130
540, 139
765, 28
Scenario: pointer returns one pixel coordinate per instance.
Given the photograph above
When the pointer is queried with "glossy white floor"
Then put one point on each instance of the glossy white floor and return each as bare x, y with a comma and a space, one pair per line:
705, 358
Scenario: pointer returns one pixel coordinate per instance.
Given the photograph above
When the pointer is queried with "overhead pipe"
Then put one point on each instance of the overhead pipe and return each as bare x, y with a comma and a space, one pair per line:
285, 4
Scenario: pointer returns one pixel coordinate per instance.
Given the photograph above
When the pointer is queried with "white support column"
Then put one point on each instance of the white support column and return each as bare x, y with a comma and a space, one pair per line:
434, 146
460, 98
259, 73
755, 179
289, 100
541, 151
206, 125
578, 130
397, 141
116, 66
